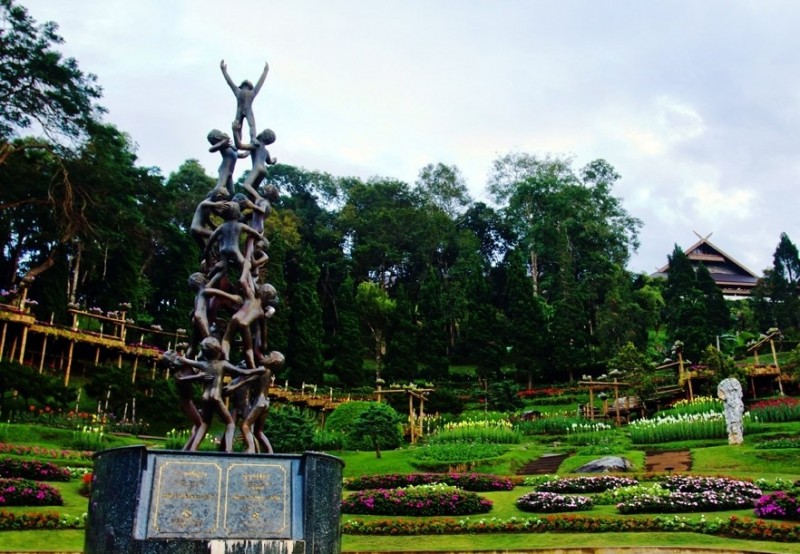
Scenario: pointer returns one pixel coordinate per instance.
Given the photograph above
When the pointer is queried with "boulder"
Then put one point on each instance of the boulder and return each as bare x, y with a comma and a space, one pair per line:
605, 465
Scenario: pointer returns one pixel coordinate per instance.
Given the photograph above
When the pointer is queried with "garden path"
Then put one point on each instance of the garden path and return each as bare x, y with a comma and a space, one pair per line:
677, 460
547, 463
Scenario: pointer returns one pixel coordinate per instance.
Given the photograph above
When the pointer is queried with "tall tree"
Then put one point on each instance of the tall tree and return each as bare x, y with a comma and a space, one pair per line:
37, 84
777, 298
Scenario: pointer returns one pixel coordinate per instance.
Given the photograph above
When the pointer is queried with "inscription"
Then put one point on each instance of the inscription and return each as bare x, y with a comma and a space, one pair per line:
223, 498
258, 498
186, 498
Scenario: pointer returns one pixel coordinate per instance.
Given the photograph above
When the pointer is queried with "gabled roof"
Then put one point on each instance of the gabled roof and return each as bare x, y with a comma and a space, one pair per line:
731, 276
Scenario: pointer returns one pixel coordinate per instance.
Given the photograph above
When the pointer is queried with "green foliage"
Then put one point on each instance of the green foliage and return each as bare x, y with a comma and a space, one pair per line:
342, 417
477, 431
445, 457
377, 427
37, 84
289, 429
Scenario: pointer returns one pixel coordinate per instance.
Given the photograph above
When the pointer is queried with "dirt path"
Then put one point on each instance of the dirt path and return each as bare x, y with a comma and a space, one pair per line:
678, 460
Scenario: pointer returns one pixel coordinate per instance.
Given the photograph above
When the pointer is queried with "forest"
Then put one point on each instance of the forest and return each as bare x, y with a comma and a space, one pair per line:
378, 278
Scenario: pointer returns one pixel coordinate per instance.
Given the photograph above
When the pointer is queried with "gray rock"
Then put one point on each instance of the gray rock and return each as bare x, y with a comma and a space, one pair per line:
607, 464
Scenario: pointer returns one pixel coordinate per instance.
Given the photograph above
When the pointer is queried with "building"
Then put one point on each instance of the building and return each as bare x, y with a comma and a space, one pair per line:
734, 279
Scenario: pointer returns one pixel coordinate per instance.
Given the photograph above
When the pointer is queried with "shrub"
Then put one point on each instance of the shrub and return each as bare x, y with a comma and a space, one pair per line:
289, 429
475, 482
24, 492
416, 500
597, 483
341, 419
778, 505
327, 440
376, 428
548, 502
32, 469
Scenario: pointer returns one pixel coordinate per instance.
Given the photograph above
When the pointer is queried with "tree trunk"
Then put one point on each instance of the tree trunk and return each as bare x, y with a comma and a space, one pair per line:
377, 447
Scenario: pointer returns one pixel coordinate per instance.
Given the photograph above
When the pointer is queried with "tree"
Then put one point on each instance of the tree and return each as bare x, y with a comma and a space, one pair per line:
444, 187
576, 237
375, 308
380, 424
37, 84
305, 338
348, 349
777, 296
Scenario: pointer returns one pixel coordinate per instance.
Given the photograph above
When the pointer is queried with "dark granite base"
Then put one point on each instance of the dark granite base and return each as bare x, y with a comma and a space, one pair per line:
176, 502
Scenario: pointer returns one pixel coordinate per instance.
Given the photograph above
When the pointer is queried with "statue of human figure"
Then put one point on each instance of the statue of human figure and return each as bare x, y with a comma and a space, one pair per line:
260, 157
211, 371
228, 235
221, 142
251, 397
201, 227
256, 307
245, 93
730, 392
171, 359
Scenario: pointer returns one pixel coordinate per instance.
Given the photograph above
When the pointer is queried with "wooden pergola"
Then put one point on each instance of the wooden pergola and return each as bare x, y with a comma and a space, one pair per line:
602, 386
414, 421
769, 370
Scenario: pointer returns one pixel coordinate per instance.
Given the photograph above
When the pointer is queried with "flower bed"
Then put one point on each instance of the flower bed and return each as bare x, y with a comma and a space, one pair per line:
24, 492
625, 494
32, 469
726, 485
778, 505
734, 527
476, 482
38, 520
776, 410
497, 431
39, 452
692, 494
416, 500
691, 426
598, 483
549, 502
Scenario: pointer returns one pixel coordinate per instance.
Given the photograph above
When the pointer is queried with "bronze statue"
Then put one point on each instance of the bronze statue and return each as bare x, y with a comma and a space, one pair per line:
245, 94
230, 300
220, 142
211, 372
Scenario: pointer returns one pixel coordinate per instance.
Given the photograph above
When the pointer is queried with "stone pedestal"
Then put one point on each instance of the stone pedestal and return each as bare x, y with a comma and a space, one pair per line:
173, 502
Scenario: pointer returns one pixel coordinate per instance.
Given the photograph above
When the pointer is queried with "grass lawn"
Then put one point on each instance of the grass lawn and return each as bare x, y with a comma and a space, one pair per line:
500, 542
711, 457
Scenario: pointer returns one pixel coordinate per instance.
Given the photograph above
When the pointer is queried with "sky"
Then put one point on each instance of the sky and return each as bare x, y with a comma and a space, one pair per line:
695, 104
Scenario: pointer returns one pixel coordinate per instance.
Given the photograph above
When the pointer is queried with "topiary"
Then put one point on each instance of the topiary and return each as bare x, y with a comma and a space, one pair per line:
341, 419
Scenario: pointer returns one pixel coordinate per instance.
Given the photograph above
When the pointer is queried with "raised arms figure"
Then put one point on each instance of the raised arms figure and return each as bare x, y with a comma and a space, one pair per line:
245, 93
